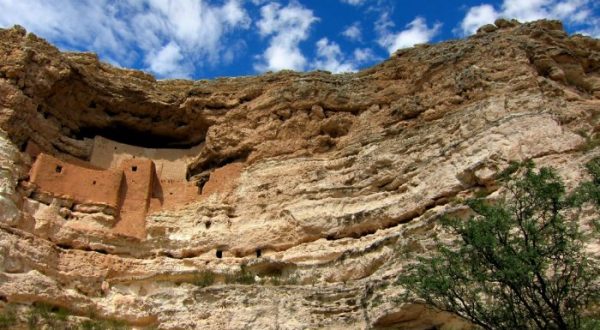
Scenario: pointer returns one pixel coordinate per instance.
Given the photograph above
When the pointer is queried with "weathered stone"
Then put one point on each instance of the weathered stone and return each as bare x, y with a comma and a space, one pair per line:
302, 193
503, 23
488, 28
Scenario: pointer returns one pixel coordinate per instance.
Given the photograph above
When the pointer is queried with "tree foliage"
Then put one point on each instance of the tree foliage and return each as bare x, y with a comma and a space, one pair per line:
519, 262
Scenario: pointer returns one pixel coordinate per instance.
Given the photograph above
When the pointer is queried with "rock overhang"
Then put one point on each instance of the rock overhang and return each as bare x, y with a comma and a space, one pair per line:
330, 177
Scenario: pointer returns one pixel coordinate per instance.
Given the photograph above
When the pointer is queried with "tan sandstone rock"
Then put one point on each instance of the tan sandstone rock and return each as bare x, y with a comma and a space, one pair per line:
300, 194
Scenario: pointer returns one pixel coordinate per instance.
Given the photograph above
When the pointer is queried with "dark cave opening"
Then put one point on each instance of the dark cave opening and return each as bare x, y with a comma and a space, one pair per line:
131, 136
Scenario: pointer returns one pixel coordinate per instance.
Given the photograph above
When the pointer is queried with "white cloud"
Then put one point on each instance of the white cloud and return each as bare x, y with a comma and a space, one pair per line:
571, 11
353, 32
167, 61
478, 16
416, 32
592, 28
196, 27
235, 14
287, 27
364, 55
182, 35
575, 11
72, 23
592, 32
331, 58
354, 2
525, 10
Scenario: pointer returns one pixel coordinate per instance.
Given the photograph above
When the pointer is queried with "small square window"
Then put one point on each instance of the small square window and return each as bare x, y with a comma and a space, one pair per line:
134, 168
58, 169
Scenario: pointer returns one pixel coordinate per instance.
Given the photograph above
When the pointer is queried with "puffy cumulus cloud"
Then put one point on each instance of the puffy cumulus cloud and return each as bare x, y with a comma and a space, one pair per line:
195, 27
525, 10
354, 2
576, 12
353, 32
592, 29
416, 32
365, 55
70, 23
167, 61
172, 38
478, 16
286, 27
330, 57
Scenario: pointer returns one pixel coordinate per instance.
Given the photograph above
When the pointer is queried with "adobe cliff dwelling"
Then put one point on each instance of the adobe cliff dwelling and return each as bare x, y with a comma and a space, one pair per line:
125, 182
286, 200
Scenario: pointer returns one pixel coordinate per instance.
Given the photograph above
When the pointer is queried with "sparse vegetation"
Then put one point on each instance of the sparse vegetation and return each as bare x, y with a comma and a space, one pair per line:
377, 300
8, 317
591, 141
95, 324
279, 277
46, 316
40, 314
204, 279
275, 277
578, 80
244, 276
273, 280
519, 263
241, 277
293, 279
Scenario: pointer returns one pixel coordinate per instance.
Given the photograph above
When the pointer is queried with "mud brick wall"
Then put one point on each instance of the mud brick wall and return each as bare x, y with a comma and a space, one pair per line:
83, 185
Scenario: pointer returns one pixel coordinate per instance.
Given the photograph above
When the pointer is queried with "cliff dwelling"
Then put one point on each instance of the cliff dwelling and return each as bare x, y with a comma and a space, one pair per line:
124, 181
285, 200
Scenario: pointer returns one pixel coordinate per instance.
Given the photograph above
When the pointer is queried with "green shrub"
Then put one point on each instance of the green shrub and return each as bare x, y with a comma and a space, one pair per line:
46, 316
204, 279
95, 324
241, 277
40, 313
8, 317
590, 323
519, 263
293, 279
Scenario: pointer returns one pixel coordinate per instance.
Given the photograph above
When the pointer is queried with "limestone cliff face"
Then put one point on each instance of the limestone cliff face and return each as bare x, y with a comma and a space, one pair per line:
313, 189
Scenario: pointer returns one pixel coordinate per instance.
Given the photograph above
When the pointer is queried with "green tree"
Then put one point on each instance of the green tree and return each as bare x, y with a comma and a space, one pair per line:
519, 262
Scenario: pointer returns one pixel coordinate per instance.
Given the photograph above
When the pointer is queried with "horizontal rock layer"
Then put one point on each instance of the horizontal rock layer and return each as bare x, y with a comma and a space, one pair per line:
339, 179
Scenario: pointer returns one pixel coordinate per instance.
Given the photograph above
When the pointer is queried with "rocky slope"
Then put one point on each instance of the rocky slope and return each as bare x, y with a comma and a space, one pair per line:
342, 176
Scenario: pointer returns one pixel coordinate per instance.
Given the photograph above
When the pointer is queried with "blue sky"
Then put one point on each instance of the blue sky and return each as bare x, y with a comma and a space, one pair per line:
201, 39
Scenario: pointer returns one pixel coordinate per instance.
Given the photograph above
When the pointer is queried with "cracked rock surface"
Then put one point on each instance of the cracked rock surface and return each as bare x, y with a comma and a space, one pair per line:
342, 177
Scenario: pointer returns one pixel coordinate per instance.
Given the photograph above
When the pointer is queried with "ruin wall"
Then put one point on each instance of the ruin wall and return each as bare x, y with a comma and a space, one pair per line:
170, 194
136, 190
170, 164
83, 185
223, 179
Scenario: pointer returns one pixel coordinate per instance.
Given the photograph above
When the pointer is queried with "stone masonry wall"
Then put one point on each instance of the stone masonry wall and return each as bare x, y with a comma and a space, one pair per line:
70, 181
136, 189
170, 164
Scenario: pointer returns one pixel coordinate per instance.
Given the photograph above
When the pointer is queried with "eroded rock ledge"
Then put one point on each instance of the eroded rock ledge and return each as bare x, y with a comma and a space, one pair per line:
287, 200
